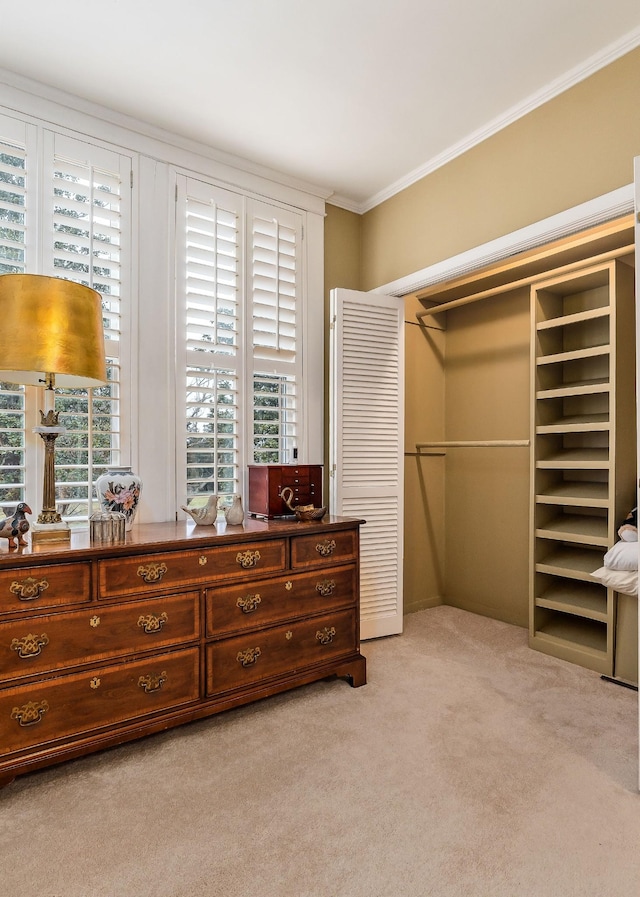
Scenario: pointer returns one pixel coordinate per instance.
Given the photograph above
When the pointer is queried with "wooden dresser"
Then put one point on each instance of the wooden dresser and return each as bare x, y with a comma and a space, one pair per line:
104, 644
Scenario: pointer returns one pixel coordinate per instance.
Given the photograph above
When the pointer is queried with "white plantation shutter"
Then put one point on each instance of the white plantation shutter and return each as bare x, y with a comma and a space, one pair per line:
13, 260
86, 221
274, 237
210, 348
65, 211
238, 313
274, 286
367, 445
13, 196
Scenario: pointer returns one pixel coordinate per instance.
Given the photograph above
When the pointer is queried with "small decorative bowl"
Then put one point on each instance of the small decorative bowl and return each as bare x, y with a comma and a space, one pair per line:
304, 513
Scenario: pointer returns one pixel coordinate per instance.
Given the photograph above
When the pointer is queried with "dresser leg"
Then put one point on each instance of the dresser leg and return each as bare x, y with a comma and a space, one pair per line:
355, 671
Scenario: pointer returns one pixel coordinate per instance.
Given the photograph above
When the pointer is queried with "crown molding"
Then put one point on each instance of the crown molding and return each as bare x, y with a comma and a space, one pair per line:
77, 106
344, 202
600, 60
589, 214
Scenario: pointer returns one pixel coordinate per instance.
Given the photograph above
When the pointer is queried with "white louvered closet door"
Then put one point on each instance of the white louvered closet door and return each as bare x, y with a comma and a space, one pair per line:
367, 445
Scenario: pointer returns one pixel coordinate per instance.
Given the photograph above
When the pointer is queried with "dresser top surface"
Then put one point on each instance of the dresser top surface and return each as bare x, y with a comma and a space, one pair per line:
172, 535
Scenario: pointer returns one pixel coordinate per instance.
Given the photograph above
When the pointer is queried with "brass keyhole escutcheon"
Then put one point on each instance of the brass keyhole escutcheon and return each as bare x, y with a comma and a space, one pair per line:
288, 585
95, 682
202, 560
94, 621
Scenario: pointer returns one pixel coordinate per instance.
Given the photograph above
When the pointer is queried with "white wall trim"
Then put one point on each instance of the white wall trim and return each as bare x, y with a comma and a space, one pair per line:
569, 79
589, 214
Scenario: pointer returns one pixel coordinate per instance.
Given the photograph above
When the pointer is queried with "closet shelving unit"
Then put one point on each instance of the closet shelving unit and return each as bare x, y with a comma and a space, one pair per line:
583, 454
583, 425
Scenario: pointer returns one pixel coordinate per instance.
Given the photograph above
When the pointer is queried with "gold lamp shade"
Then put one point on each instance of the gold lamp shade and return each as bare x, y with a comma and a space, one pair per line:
50, 326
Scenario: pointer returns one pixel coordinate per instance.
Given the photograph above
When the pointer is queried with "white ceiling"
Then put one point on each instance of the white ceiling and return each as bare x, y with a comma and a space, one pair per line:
358, 97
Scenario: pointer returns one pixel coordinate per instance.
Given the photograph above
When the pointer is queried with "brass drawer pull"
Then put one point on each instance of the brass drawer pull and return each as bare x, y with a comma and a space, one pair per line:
150, 623
249, 604
152, 572
29, 589
326, 587
152, 682
248, 657
31, 713
326, 548
29, 646
325, 636
248, 559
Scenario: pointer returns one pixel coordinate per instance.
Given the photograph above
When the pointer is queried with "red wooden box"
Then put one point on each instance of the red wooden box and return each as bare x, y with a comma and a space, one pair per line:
266, 482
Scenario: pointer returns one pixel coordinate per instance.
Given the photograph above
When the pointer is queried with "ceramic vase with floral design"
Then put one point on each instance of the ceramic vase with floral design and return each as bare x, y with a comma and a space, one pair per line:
119, 490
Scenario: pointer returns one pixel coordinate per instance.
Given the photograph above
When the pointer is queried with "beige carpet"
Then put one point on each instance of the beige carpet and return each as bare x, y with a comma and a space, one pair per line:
469, 765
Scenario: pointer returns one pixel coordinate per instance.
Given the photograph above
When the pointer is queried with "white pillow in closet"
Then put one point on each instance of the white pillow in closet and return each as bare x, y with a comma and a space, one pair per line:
623, 556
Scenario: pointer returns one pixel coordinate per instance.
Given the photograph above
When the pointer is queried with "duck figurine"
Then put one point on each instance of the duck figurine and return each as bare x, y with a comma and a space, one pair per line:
14, 528
205, 516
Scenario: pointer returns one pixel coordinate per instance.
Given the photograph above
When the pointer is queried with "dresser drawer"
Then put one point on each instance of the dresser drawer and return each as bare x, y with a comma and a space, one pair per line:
43, 644
319, 549
234, 608
151, 572
58, 708
247, 659
32, 588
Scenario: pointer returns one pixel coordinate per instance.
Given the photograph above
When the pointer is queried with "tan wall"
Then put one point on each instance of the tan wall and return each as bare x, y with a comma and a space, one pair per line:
486, 519
342, 250
577, 146
466, 514
424, 561
342, 268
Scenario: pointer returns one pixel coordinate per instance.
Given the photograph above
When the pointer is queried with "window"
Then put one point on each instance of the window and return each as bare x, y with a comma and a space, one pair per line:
239, 312
209, 296
76, 216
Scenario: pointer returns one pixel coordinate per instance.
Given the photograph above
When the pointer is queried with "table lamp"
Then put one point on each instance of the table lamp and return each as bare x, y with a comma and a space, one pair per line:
51, 334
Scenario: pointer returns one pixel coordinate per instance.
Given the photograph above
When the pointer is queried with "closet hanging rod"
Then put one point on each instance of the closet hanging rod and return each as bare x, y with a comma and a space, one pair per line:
519, 282
473, 443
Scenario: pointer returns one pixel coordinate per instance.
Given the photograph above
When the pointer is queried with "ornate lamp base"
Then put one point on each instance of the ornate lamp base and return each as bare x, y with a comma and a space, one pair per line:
50, 526
50, 532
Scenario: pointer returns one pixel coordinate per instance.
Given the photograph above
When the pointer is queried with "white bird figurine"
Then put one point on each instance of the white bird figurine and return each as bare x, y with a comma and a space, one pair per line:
205, 516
